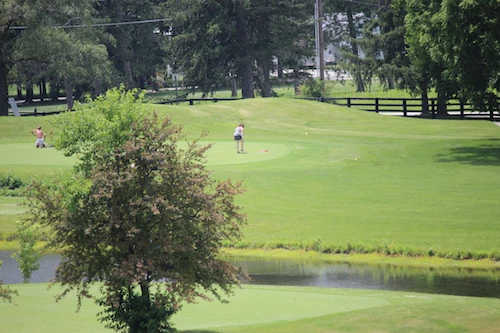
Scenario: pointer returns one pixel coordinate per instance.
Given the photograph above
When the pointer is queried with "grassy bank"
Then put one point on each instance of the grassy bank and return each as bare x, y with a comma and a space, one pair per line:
273, 310
368, 259
332, 179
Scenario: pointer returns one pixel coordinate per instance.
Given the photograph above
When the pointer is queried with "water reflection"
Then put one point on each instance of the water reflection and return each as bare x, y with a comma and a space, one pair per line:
464, 282
10, 273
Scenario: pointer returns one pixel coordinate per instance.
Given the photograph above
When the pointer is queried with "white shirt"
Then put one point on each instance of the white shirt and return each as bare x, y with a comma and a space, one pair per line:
238, 131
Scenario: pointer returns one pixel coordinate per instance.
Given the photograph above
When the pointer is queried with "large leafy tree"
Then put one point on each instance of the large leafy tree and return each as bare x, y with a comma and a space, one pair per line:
384, 44
429, 55
278, 28
201, 40
345, 25
31, 14
136, 50
75, 58
213, 40
146, 222
471, 45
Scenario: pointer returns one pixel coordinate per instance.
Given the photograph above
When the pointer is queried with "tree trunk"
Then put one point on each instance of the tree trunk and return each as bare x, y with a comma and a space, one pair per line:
54, 91
142, 82
280, 70
234, 87
4, 90
68, 91
43, 84
246, 79
29, 93
19, 91
425, 102
127, 68
296, 82
265, 82
390, 83
357, 76
40, 91
441, 99
244, 58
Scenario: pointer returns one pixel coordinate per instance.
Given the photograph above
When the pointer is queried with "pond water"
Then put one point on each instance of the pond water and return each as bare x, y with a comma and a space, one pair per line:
463, 282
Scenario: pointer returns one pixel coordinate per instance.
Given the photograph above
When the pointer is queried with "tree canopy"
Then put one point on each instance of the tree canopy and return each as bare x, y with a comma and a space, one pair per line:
447, 46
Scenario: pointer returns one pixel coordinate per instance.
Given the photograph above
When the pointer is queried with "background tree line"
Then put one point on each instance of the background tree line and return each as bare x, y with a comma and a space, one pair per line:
449, 46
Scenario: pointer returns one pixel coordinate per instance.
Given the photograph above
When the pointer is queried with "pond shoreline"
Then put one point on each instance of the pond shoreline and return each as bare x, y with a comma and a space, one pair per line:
366, 259
354, 258
307, 270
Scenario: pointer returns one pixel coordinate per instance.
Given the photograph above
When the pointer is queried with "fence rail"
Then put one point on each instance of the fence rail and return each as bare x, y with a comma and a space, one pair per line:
171, 101
411, 107
192, 100
407, 107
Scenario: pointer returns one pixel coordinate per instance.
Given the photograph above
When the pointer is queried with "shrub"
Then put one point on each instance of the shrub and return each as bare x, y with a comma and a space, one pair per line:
10, 182
313, 88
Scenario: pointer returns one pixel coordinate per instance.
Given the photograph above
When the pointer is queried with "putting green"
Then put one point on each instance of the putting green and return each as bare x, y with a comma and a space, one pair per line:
274, 304
23, 154
248, 306
222, 152
272, 309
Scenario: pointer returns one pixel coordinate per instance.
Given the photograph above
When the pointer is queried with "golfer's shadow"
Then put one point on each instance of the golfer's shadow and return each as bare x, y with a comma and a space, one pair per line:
486, 154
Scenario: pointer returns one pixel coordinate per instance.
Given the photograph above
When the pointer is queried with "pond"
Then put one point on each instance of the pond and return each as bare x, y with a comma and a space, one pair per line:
463, 282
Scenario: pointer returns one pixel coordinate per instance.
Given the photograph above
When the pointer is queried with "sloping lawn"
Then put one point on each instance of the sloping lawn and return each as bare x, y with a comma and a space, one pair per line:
323, 174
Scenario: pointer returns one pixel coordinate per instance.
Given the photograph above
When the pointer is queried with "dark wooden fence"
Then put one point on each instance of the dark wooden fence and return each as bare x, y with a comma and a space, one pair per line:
410, 107
192, 100
407, 107
36, 113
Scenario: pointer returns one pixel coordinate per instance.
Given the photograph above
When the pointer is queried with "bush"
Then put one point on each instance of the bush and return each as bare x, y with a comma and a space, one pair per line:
313, 88
10, 182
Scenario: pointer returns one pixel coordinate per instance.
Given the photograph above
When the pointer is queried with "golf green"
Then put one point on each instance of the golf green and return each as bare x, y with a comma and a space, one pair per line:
272, 309
23, 154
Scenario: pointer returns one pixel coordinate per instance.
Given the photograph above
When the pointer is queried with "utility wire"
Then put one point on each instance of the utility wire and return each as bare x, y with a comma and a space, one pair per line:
76, 26
369, 4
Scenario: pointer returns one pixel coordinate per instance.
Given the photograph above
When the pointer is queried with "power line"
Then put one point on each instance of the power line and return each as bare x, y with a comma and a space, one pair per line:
369, 4
76, 26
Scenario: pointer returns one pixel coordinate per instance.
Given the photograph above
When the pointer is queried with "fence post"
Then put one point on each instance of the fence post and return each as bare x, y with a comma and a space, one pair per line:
404, 107
348, 102
376, 105
462, 107
433, 110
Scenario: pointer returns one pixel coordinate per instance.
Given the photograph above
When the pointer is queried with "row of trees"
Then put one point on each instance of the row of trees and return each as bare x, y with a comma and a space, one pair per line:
449, 46
446, 45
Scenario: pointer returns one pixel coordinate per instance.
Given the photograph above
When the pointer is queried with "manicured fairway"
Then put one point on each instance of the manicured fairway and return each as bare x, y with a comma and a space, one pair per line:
332, 175
273, 309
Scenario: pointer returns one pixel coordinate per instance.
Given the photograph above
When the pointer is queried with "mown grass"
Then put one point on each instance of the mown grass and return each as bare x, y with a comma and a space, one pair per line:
333, 179
273, 310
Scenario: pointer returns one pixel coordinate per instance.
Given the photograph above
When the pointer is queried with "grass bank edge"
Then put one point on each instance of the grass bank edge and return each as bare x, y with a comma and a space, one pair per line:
383, 249
315, 256
362, 258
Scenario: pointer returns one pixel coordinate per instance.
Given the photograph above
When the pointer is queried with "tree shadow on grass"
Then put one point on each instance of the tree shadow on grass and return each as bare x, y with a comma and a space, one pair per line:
486, 154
